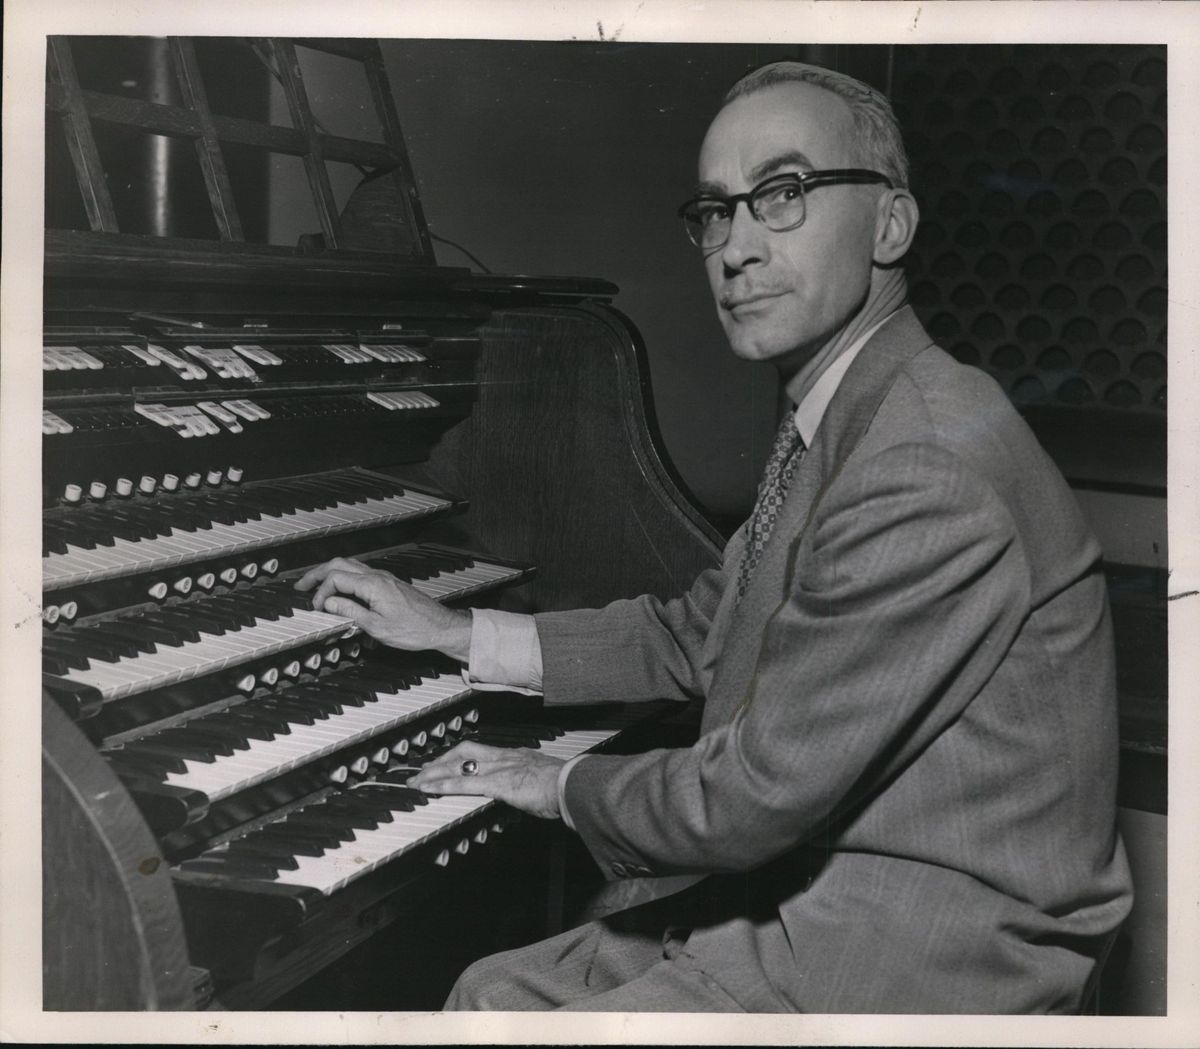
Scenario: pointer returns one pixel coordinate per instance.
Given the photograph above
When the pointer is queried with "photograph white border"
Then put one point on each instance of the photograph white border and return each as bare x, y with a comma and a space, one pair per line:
28, 22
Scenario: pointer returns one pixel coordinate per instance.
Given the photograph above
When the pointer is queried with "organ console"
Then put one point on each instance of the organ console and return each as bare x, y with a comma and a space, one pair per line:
224, 804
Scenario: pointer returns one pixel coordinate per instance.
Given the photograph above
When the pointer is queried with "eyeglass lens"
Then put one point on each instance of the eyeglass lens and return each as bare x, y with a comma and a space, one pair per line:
778, 206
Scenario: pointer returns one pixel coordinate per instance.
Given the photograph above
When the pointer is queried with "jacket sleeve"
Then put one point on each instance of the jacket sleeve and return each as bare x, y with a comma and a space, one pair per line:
633, 650
914, 590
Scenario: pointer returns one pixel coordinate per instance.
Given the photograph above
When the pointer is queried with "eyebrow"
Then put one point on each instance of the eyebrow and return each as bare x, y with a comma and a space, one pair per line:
792, 158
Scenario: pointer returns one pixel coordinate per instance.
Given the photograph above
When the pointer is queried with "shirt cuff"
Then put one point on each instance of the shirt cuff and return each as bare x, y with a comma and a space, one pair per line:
562, 788
505, 653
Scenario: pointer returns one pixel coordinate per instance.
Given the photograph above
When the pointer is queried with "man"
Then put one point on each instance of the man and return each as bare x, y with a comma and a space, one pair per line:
903, 795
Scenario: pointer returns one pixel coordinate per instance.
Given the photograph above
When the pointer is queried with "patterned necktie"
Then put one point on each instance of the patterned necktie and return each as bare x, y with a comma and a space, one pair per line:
785, 456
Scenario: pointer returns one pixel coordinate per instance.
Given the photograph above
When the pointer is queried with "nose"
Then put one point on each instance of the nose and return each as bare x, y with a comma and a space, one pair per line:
747, 243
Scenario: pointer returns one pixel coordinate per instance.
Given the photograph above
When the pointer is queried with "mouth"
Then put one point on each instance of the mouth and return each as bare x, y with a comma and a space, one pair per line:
734, 303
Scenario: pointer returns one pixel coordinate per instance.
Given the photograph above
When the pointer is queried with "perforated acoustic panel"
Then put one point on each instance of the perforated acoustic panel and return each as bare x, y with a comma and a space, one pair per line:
1041, 172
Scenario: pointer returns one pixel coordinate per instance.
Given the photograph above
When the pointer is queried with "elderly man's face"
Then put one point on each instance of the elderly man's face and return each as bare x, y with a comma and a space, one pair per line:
780, 296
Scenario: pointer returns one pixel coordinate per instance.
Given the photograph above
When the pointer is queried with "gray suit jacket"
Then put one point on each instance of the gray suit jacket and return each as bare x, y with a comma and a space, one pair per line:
909, 730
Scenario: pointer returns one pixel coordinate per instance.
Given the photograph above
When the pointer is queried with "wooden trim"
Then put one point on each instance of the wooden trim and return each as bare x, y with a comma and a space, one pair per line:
314, 157
152, 117
160, 119
77, 129
94, 835
208, 148
385, 106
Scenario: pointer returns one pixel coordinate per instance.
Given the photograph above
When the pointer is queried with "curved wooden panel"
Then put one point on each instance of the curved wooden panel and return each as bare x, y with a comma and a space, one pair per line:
562, 463
111, 933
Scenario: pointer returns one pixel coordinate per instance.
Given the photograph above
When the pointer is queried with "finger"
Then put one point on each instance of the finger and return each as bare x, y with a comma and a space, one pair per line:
354, 584
489, 783
313, 576
451, 761
447, 769
322, 571
348, 608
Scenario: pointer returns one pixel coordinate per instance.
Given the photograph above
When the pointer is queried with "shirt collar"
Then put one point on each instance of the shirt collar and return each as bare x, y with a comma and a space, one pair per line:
811, 408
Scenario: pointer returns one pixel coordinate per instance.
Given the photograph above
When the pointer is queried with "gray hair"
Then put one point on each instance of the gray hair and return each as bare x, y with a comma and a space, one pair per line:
878, 131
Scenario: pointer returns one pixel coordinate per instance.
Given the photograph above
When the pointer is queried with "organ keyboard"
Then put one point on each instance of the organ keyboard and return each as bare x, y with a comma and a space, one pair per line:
136, 537
224, 802
251, 732
327, 845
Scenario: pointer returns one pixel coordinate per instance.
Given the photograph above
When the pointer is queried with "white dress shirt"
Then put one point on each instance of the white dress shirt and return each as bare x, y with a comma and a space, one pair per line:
505, 653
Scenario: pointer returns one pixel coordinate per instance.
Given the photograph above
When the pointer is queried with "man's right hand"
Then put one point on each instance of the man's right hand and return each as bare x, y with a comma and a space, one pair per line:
392, 612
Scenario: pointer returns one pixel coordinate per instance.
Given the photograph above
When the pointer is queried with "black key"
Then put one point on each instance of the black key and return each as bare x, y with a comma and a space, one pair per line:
353, 819
82, 641
227, 733
295, 713
238, 727
377, 682
310, 697
529, 728
228, 606
400, 798
189, 616
296, 836
118, 630
55, 665
300, 500
175, 512
139, 626
215, 510
448, 558
62, 653
266, 600
175, 622
259, 724
173, 751
210, 612
358, 814
54, 540
268, 606
126, 523
86, 535
499, 738
231, 867
257, 504
148, 517
311, 819
120, 646
156, 765
364, 799
281, 856
335, 691
188, 736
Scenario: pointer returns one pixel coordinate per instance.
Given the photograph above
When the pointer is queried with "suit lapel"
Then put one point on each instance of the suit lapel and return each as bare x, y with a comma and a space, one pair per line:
739, 632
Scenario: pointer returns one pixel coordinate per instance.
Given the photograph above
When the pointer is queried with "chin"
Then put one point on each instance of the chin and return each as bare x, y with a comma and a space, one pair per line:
758, 346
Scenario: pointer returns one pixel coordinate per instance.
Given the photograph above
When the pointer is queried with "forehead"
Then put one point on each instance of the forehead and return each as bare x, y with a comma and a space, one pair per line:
782, 118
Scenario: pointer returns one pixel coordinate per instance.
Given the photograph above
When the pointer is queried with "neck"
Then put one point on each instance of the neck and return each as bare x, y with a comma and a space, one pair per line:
887, 294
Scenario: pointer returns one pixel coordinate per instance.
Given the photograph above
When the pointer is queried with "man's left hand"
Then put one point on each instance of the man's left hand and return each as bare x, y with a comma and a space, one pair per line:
525, 779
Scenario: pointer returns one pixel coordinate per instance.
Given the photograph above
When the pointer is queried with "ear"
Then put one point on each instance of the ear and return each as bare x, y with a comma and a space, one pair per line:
895, 225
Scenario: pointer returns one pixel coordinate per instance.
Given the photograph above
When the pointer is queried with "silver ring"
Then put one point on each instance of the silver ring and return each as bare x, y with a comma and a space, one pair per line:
470, 767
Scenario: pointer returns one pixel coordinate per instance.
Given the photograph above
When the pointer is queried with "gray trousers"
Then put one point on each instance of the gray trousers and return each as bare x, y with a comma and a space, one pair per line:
636, 960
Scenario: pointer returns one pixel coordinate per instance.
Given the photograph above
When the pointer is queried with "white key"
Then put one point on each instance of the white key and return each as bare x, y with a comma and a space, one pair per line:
131, 675
370, 849
127, 557
265, 759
